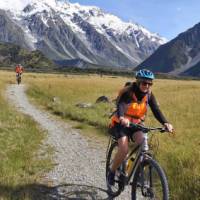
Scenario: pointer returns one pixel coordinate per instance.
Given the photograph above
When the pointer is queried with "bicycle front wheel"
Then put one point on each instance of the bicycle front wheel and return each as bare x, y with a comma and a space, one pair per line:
150, 182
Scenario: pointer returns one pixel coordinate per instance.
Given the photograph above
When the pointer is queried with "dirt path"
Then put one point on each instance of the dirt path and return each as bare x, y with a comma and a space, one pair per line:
79, 172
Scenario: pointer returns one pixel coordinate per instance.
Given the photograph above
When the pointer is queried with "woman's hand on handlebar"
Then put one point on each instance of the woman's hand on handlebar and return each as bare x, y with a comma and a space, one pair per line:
169, 127
124, 121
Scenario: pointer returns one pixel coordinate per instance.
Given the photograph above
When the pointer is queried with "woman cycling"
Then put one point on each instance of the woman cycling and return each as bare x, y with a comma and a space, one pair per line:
132, 104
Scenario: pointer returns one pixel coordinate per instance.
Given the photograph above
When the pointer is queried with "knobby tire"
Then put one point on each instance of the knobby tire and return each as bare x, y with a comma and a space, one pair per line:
151, 167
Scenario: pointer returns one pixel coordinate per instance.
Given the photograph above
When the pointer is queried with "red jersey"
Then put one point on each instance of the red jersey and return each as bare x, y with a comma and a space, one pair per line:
19, 69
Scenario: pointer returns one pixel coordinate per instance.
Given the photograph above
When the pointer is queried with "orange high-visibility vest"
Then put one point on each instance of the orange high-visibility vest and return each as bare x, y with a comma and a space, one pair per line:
135, 111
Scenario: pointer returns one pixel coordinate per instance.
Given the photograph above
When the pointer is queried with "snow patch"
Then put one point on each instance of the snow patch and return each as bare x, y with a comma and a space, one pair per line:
13, 5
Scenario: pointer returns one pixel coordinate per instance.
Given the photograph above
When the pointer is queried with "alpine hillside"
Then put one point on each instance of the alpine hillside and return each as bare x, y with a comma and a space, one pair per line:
180, 56
65, 31
11, 54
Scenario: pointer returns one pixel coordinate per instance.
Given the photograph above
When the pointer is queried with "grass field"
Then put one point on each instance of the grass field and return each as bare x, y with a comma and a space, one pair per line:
20, 139
179, 101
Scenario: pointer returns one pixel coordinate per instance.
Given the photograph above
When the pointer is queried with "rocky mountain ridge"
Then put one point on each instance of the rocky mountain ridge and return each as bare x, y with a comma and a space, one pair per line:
180, 56
65, 31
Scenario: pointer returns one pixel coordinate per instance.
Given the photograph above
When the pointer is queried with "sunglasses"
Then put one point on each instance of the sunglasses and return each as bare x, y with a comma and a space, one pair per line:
144, 83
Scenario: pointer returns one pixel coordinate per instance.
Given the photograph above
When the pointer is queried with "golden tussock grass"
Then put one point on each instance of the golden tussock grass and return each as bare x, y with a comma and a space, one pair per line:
20, 139
178, 99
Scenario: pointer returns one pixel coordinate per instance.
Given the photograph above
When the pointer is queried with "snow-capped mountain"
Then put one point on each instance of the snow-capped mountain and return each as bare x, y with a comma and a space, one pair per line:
62, 30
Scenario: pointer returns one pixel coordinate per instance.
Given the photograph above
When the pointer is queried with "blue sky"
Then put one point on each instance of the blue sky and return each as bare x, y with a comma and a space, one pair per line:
168, 18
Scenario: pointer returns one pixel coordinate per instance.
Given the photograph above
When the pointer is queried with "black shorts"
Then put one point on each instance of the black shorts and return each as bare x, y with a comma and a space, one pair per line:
119, 131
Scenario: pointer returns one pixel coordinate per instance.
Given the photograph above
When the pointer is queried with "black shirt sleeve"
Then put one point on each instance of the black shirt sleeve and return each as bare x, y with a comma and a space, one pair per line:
156, 110
122, 103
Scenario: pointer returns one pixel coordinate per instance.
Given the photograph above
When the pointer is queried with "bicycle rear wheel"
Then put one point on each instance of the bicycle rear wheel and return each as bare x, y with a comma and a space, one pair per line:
150, 182
117, 188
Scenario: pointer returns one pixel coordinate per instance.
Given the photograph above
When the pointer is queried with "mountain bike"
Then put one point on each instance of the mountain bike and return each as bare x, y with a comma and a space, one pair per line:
18, 78
139, 170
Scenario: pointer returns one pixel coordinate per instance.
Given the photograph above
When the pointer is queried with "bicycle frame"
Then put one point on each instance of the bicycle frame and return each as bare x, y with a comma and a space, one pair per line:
141, 155
18, 75
141, 150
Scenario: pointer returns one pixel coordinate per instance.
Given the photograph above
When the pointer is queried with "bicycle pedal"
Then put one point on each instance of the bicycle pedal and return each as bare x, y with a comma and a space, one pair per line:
124, 180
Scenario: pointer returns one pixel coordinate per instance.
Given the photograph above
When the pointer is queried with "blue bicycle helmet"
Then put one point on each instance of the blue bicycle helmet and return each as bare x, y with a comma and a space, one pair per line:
144, 74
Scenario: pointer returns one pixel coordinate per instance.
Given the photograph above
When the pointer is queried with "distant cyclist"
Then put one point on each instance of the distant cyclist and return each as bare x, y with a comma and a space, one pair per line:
132, 104
19, 70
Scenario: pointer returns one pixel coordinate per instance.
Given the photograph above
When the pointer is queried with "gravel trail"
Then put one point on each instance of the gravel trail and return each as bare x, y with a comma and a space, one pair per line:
79, 171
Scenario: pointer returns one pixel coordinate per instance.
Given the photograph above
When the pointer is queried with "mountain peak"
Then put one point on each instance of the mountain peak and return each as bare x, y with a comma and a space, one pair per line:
21, 4
64, 30
51, 3
8, 4
102, 21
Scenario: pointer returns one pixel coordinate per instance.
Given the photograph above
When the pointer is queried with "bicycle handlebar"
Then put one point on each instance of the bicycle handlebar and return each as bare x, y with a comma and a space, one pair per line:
147, 129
